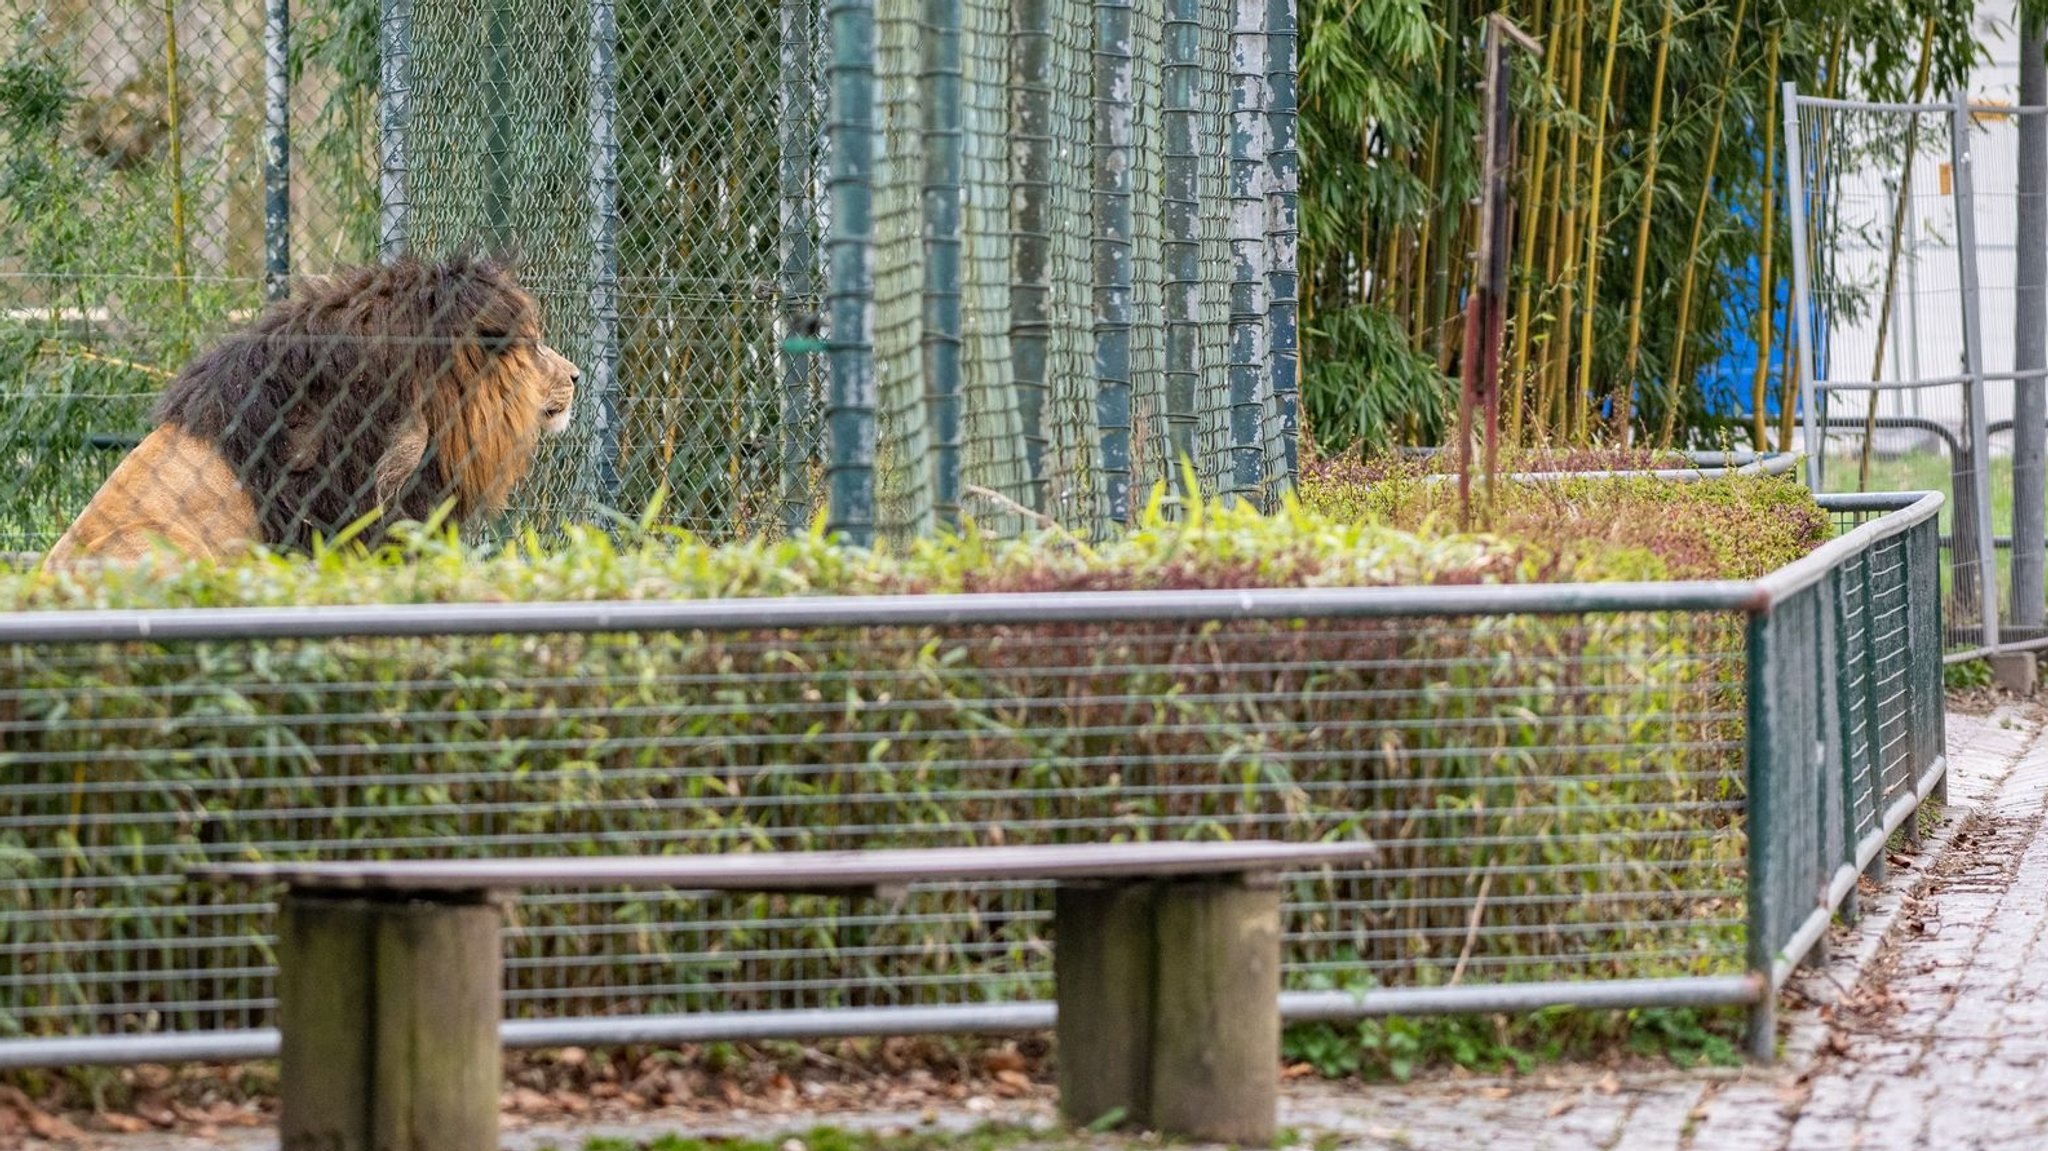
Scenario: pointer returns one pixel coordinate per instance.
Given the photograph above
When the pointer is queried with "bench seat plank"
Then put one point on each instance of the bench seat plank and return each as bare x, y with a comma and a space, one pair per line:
807, 870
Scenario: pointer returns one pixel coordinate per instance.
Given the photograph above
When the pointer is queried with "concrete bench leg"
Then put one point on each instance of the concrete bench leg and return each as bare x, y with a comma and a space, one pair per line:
389, 1015
1169, 1005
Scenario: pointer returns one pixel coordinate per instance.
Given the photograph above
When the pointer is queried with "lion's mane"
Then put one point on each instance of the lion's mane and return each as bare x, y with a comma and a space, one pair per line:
395, 386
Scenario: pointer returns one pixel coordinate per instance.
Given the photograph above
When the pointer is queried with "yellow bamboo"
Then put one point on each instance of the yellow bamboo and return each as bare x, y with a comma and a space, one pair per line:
1624, 389
1562, 329
1699, 223
1590, 304
1519, 373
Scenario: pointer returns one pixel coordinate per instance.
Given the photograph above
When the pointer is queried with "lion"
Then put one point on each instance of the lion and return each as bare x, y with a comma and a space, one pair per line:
389, 389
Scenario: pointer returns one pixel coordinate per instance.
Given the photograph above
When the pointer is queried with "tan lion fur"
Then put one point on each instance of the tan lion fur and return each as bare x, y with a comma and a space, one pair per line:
393, 388
173, 491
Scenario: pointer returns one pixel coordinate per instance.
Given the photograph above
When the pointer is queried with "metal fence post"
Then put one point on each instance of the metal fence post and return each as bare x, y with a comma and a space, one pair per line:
850, 286
1249, 142
1802, 286
606, 429
2030, 344
944, 171
1115, 139
277, 162
1031, 262
1926, 705
1283, 176
394, 93
1979, 508
1765, 715
798, 223
1181, 207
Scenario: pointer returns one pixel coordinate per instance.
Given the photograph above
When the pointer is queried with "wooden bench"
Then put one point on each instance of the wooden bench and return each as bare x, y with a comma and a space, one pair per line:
1166, 967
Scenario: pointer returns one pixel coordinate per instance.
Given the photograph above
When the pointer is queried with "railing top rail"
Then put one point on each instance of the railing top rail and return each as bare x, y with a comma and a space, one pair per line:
984, 609
1014, 608
1902, 511
1805, 101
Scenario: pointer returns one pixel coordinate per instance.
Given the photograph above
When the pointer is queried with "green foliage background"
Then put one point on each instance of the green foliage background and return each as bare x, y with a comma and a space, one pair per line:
1389, 135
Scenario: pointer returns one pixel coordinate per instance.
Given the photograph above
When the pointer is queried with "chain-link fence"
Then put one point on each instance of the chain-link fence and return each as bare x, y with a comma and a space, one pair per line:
1615, 795
905, 259
138, 220
1919, 328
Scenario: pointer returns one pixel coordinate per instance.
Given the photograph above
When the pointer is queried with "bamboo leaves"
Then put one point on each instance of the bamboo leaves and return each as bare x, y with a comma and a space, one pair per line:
1647, 135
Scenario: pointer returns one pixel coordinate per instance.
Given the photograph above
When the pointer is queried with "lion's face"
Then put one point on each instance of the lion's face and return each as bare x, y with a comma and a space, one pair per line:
556, 378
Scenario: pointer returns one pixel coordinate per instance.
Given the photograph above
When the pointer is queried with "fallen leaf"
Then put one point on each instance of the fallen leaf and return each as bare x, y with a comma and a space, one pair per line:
1563, 1105
1001, 1060
1609, 1084
123, 1123
44, 1125
528, 1101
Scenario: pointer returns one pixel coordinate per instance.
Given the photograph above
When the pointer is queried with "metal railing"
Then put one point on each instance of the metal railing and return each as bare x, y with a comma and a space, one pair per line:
1602, 795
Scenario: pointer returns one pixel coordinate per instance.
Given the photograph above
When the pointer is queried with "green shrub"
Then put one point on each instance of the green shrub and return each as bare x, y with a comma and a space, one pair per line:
1556, 797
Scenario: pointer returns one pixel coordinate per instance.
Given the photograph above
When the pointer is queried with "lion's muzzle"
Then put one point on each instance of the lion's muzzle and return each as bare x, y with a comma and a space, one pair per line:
559, 400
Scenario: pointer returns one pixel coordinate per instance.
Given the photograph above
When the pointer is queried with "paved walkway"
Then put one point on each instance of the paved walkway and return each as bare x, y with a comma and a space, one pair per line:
1942, 1041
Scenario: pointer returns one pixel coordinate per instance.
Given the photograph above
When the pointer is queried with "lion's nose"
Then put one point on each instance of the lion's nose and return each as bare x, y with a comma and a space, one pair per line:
575, 377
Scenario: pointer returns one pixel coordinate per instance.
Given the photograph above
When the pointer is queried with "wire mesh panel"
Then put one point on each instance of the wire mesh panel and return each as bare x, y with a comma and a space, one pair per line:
142, 219
1910, 320
1049, 236
1652, 783
1572, 812
1844, 726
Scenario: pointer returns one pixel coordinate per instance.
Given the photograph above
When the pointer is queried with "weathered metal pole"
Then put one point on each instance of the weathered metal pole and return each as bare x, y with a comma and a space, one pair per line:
1485, 315
1973, 510
277, 152
394, 94
850, 286
603, 361
2030, 335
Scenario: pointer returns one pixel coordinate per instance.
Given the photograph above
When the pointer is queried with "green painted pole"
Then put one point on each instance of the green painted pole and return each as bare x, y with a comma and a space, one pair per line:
944, 164
1115, 132
850, 276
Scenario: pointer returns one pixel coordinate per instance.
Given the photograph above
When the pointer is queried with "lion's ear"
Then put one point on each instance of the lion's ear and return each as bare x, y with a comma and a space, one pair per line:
401, 459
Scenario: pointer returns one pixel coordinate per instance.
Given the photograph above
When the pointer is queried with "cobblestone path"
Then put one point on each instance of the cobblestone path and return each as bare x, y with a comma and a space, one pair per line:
1943, 1042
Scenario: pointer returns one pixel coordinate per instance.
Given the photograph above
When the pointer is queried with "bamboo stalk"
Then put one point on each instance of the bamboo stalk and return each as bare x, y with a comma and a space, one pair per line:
1767, 295
1561, 332
1519, 372
1699, 223
1891, 262
1624, 389
1418, 278
1450, 227
1590, 302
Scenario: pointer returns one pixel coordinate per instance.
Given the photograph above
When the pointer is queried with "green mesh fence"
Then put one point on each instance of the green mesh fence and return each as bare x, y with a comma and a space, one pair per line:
1013, 261
158, 171
885, 262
